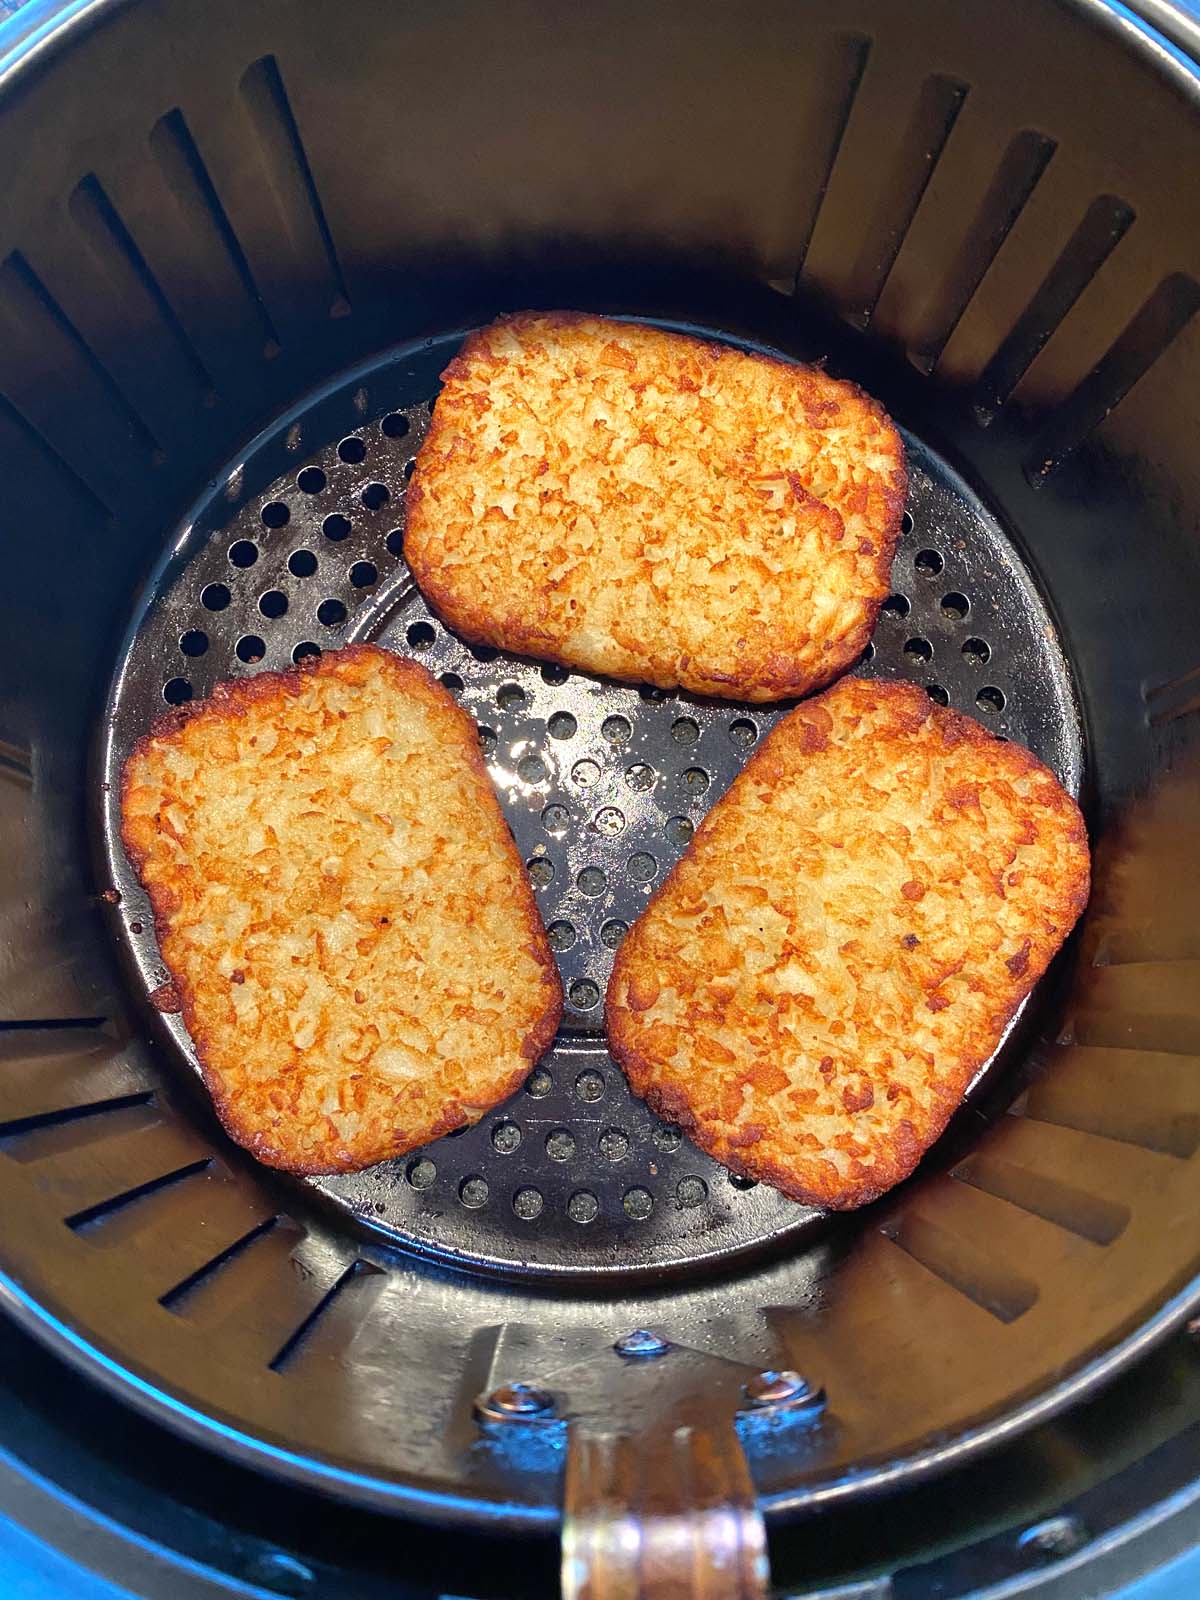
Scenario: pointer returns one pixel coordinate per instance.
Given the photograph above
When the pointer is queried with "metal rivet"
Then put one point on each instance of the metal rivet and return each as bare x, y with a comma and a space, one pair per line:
1055, 1538
772, 1388
641, 1343
518, 1400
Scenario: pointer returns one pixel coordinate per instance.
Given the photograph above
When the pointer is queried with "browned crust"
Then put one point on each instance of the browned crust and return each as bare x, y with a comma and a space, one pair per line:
507, 620
803, 735
233, 699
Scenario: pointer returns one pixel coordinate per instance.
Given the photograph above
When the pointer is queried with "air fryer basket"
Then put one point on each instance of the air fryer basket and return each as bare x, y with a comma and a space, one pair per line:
240, 242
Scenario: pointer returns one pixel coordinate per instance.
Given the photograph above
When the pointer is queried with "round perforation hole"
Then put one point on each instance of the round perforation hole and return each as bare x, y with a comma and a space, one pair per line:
375, 496
896, 605
561, 934
691, 1192
552, 673
556, 819
395, 542
617, 730
955, 606
506, 1137
642, 866
275, 514
614, 1144
421, 1173
250, 648
510, 697
906, 522
583, 1207
311, 480
351, 451
487, 740
243, 553
743, 732
363, 574
215, 597
473, 1191
541, 871
695, 782
990, 698
395, 425
637, 1204
528, 1203
928, 563
336, 527
583, 994
193, 643
539, 1083
560, 1144
685, 731
592, 882
452, 681
918, 650
273, 604
612, 932
937, 694
531, 769
302, 563
420, 636
977, 651
589, 1086
608, 822
679, 830
306, 650
177, 691
562, 725
640, 776
331, 613
585, 773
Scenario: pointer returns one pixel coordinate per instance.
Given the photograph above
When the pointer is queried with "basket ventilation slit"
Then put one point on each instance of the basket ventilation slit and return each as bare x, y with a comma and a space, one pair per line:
918, 153
106, 233
266, 97
188, 178
1162, 318
1017, 176
1104, 225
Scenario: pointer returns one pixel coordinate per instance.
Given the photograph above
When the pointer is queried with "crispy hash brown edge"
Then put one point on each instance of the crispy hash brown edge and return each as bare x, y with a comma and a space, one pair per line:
778, 677
234, 697
905, 1149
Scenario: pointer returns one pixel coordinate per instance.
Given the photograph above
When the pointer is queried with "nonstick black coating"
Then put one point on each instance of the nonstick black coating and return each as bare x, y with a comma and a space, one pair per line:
602, 784
213, 212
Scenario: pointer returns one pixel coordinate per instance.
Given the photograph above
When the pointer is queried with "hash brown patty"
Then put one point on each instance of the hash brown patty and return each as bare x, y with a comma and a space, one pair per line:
654, 507
840, 948
342, 910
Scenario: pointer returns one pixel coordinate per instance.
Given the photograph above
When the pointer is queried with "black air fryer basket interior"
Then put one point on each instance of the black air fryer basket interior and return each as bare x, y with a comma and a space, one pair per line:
239, 242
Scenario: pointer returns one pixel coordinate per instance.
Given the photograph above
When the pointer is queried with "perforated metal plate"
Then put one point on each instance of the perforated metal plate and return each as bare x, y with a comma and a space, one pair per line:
299, 549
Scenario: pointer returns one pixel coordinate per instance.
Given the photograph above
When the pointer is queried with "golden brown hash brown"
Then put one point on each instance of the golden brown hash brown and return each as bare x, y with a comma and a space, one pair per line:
654, 507
841, 946
342, 909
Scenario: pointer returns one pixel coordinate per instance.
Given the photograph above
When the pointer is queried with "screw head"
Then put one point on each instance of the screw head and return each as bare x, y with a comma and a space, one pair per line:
641, 1344
519, 1400
785, 1387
